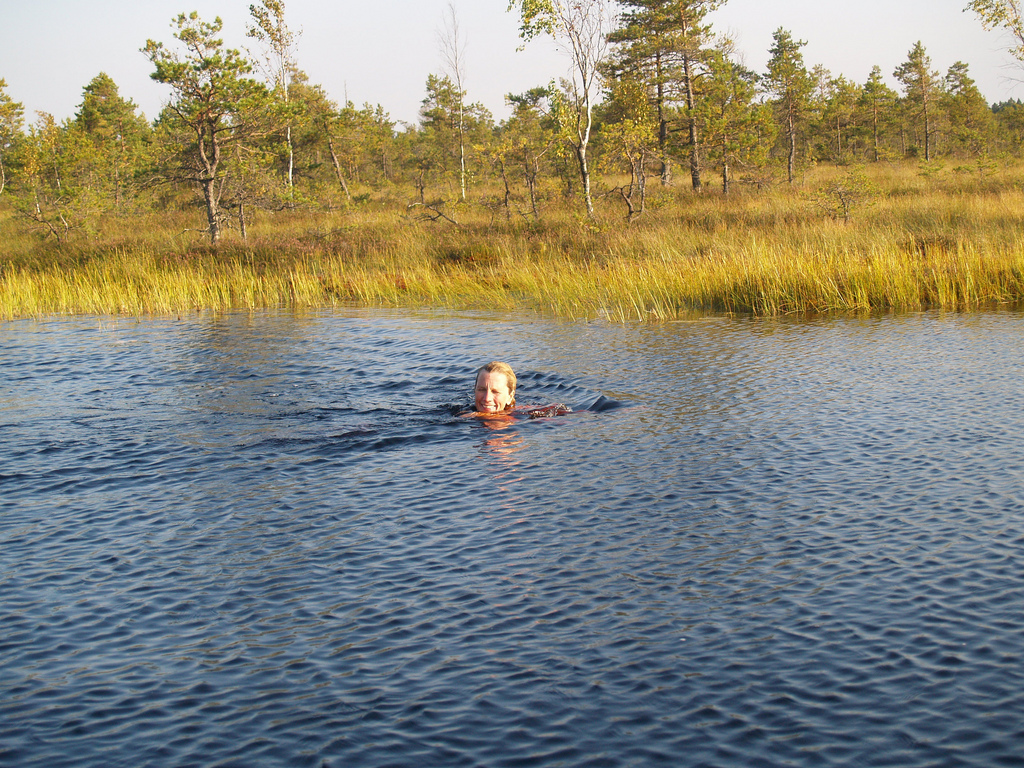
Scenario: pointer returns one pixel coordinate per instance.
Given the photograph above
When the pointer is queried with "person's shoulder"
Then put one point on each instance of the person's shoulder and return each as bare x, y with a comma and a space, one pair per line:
544, 411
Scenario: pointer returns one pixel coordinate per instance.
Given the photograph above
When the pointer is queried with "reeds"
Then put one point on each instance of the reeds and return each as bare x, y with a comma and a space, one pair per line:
917, 246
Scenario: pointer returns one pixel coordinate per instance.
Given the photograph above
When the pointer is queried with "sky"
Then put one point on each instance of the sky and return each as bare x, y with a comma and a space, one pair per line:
382, 51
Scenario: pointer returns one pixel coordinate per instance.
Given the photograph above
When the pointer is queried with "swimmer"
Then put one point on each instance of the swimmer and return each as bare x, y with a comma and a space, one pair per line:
495, 393
495, 388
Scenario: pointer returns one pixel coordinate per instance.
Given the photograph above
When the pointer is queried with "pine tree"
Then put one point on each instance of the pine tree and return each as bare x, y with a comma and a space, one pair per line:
119, 136
215, 102
920, 88
876, 105
969, 116
664, 44
789, 81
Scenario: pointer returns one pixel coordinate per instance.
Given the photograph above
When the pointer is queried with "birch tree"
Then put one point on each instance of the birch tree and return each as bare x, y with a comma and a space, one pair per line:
279, 41
581, 28
454, 55
1005, 14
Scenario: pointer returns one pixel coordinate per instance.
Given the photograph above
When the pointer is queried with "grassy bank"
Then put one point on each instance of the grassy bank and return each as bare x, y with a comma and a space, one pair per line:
955, 243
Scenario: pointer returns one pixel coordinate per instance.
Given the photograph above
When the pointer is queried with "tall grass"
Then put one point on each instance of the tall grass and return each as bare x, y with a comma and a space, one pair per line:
958, 244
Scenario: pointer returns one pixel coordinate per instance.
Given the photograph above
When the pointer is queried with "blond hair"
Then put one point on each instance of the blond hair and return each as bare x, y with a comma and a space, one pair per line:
496, 366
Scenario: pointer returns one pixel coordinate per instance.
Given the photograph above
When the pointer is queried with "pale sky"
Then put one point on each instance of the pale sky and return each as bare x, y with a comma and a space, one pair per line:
381, 51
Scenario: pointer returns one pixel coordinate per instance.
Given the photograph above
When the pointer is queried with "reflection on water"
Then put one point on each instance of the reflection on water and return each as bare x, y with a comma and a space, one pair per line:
270, 539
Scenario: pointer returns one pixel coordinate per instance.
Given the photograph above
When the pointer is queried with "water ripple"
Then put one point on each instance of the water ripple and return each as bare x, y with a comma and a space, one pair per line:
270, 539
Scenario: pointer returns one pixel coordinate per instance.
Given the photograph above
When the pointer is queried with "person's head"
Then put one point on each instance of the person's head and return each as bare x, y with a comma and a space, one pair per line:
495, 388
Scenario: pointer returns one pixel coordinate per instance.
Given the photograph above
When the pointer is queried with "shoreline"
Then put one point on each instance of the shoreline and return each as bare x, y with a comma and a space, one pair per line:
625, 290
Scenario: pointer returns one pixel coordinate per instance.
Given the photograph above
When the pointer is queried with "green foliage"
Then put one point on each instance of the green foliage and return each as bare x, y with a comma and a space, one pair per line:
580, 26
788, 80
522, 154
11, 113
451, 134
971, 122
876, 114
121, 139
52, 189
841, 196
920, 87
537, 17
656, 93
1007, 14
214, 101
739, 132
666, 46
837, 108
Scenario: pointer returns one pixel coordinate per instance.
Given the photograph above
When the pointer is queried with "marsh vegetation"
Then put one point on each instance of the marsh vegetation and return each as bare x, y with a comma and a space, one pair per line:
804, 191
913, 241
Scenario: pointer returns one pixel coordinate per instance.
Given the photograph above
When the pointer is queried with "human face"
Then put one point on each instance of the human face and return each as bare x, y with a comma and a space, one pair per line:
492, 392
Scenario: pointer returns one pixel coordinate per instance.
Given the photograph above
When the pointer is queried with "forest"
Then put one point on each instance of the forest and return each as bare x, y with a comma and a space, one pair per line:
660, 159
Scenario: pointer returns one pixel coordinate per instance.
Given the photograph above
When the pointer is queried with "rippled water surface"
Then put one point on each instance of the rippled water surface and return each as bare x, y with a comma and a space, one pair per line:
270, 540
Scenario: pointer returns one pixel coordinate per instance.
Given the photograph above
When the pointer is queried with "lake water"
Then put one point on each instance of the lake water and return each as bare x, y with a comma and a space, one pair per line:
268, 540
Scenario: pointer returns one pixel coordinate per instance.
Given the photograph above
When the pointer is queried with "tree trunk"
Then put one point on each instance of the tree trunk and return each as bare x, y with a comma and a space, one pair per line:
291, 161
532, 172
462, 150
507, 200
694, 146
211, 209
241, 222
666, 164
791, 163
927, 133
874, 131
581, 157
725, 176
337, 167
210, 161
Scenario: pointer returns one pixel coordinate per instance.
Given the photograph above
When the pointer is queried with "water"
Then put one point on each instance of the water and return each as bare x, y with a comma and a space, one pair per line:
267, 540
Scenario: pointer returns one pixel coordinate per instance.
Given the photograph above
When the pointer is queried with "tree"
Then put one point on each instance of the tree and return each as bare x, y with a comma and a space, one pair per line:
629, 140
839, 107
367, 138
315, 131
876, 104
213, 100
580, 26
662, 43
970, 118
119, 136
1008, 14
446, 122
920, 87
279, 41
49, 188
527, 138
454, 55
1009, 116
11, 126
735, 124
789, 81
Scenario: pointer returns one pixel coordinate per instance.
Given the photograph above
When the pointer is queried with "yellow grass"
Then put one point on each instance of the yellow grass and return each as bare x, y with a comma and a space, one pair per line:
955, 244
